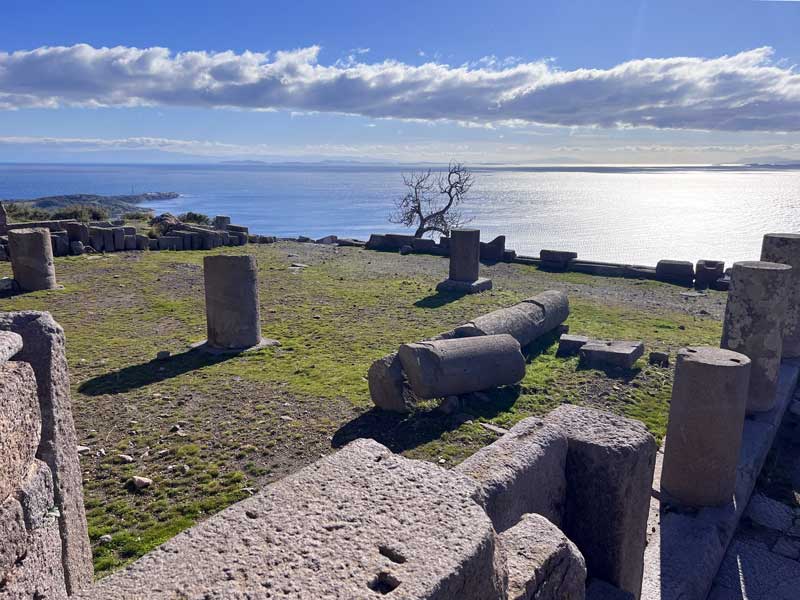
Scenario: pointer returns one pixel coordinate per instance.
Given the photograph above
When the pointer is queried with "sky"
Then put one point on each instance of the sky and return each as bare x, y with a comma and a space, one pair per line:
508, 82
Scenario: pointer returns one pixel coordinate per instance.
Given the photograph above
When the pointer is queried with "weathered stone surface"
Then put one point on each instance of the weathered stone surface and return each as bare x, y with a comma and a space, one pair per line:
142, 242
570, 345
152, 244
769, 513
232, 310
43, 348
10, 344
130, 242
658, 358
556, 260
706, 417
753, 325
32, 259
680, 272
76, 248
521, 472
78, 232
20, 423
465, 254
602, 590
617, 354
609, 473
35, 495
784, 248
464, 287
108, 240
119, 238
360, 523
542, 563
494, 251
59, 243
707, 272
435, 369
13, 536
96, 238
525, 321
387, 386
38, 574
751, 572
221, 221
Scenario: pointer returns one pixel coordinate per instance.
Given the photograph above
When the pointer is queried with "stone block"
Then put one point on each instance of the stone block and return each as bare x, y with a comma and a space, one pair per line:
465, 254
38, 573
436, 369
542, 563
130, 242
609, 474
659, 359
20, 423
525, 321
128, 230
152, 244
13, 536
707, 272
60, 243
570, 345
360, 523
784, 248
424, 245
76, 248
32, 263
108, 240
221, 221
43, 347
328, 240
237, 229
465, 287
556, 260
521, 472
142, 242
679, 272
96, 238
600, 354
10, 344
232, 308
494, 251
119, 237
35, 495
78, 232
387, 386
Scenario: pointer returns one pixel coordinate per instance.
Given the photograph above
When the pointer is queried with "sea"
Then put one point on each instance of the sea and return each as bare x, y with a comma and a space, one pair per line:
633, 215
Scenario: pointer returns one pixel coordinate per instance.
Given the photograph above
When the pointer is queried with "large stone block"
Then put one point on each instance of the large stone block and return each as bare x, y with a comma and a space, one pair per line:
13, 535
542, 563
43, 348
32, 263
10, 344
556, 260
706, 417
679, 272
521, 472
20, 424
387, 386
609, 474
119, 238
599, 354
108, 240
96, 238
525, 321
232, 309
707, 272
495, 250
440, 368
753, 325
465, 254
784, 248
360, 523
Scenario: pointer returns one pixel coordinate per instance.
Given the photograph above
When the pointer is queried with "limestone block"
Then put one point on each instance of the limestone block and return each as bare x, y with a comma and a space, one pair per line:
10, 344
119, 238
570, 345
221, 221
465, 254
361, 523
542, 563
616, 354
108, 240
60, 243
142, 242
753, 324
436, 369
96, 238
76, 248
525, 321
679, 272
237, 229
707, 272
152, 244
424, 245
784, 248
20, 424
494, 251
35, 495
232, 309
129, 242
78, 232
706, 417
128, 230
43, 348
521, 472
609, 474
31, 254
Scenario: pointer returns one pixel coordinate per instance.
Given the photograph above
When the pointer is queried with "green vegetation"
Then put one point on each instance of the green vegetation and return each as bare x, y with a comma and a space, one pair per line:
193, 217
210, 430
81, 212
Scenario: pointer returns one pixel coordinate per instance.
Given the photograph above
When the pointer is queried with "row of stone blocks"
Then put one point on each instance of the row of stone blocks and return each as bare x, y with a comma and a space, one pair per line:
479, 355
44, 543
554, 501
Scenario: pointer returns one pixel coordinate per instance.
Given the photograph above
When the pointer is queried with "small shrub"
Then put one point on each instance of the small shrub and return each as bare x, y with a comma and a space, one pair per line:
137, 215
18, 213
82, 212
193, 217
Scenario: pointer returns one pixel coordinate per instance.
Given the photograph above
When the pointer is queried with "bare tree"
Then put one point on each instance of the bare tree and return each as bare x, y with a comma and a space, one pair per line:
432, 202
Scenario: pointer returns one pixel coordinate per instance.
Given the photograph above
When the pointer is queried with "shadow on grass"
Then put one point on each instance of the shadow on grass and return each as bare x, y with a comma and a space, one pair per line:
154, 371
400, 432
624, 375
438, 299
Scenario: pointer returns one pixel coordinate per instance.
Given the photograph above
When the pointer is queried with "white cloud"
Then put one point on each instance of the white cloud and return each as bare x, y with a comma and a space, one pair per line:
743, 92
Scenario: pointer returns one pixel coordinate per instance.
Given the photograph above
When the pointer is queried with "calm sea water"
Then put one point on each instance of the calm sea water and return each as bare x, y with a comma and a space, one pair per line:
626, 215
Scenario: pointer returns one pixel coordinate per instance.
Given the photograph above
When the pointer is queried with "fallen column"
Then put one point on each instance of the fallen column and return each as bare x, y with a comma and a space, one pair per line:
753, 325
784, 248
451, 367
706, 417
32, 259
609, 475
232, 311
465, 256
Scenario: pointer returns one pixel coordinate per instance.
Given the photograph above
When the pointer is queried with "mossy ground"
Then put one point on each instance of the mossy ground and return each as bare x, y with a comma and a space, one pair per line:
211, 430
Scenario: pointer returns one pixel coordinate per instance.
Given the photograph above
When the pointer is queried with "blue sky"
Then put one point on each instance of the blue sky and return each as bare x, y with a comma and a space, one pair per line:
517, 82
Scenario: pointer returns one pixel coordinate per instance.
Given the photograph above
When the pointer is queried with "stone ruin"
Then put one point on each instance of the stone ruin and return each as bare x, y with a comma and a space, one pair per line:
465, 256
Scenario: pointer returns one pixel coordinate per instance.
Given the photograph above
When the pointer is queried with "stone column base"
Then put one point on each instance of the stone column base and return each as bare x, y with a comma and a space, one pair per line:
204, 347
465, 287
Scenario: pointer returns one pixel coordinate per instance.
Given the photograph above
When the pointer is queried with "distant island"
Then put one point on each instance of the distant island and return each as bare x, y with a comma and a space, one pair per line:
113, 204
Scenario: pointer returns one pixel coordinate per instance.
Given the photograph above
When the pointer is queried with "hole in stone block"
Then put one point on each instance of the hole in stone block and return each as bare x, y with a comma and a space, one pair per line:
692, 350
384, 583
736, 360
392, 554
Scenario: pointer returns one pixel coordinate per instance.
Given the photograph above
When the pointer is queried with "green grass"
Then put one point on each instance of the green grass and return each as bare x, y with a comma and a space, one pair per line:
250, 419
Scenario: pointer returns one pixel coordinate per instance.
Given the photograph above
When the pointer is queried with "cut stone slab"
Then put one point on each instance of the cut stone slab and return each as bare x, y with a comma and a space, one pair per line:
465, 287
616, 354
570, 345
10, 344
521, 472
679, 272
660, 359
609, 475
20, 424
542, 563
360, 523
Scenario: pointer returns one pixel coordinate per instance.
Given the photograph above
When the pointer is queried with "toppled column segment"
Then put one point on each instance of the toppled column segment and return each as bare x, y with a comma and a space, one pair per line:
609, 474
706, 417
753, 325
521, 472
360, 523
31, 253
784, 248
542, 563
451, 367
